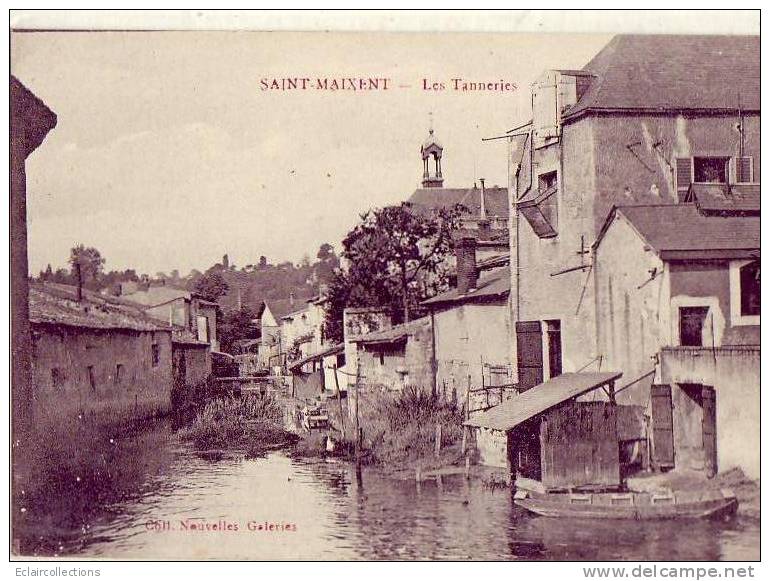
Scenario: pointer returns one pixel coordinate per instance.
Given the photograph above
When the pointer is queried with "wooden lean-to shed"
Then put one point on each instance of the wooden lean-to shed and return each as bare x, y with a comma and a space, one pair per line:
553, 438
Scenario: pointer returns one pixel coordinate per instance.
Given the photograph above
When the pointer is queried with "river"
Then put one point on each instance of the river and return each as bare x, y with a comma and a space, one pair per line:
321, 510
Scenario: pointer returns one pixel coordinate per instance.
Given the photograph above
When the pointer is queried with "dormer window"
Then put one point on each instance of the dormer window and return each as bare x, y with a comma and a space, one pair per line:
711, 170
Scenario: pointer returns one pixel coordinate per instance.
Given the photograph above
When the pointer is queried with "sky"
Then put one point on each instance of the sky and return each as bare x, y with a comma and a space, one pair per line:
167, 154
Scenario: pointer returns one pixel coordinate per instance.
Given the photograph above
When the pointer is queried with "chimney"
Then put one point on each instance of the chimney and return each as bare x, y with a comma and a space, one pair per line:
467, 275
483, 205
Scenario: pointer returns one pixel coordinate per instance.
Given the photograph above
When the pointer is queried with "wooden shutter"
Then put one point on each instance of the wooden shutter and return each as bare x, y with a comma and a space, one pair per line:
662, 427
744, 167
529, 353
708, 395
683, 176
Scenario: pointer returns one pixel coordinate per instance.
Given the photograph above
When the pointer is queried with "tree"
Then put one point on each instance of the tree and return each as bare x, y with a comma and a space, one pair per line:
234, 326
396, 259
90, 262
211, 286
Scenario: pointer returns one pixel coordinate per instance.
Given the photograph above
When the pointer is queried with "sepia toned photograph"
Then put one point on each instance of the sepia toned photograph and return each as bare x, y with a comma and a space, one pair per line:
380, 295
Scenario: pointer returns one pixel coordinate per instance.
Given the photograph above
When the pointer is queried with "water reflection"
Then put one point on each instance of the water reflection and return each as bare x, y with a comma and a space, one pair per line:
337, 513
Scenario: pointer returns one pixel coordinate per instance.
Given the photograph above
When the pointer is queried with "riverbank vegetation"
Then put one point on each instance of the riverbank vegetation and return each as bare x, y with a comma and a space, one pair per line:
249, 422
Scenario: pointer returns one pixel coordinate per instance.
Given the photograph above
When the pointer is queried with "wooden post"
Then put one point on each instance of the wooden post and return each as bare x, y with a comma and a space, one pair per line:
339, 401
467, 467
465, 440
611, 391
468, 399
357, 428
438, 440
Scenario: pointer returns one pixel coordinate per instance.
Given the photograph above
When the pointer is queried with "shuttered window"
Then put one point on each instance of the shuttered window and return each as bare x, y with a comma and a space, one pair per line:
683, 175
744, 170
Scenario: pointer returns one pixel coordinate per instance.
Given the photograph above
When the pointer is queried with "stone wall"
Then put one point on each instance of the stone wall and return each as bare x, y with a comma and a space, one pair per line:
126, 382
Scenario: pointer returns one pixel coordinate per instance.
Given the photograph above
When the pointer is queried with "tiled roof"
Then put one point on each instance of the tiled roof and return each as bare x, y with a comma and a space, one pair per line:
540, 398
493, 284
742, 199
664, 72
158, 295
57, 304
680, 231
495, 199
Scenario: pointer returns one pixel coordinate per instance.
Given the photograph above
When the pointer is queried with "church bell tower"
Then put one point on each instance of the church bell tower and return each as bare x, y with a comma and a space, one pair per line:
431, 149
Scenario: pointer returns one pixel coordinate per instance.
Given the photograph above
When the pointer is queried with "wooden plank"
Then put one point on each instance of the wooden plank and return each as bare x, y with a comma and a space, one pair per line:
662, 426
529, 352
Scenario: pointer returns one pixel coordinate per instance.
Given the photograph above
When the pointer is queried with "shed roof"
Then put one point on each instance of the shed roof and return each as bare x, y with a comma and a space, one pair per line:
674, 73
680, 231
726, 199
57, 304
493, 284
540, 398
332, 350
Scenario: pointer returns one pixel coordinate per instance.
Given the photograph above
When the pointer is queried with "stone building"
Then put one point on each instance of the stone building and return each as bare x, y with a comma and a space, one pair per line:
397, 357
181, 308
647, 117
471, 329
678, 303
97, 357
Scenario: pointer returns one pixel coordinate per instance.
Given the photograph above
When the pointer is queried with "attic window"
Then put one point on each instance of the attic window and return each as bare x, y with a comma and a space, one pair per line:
710, 170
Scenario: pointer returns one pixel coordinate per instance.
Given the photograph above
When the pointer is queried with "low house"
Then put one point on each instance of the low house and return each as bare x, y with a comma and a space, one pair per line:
181, 308
397, 357
471, 330
319, 373
96, 357
678, 303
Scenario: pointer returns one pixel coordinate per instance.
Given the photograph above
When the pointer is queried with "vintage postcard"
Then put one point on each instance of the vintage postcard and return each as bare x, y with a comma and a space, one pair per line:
382, 295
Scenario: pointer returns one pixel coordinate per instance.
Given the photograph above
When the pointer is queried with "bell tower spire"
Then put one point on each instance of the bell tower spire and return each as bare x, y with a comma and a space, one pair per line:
431, 148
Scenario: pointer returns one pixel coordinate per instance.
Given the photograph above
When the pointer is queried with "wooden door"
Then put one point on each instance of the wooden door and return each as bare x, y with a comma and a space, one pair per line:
662, 427
708, 395
529, 353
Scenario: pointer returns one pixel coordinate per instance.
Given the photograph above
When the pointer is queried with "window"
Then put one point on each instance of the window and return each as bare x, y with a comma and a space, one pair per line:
57, 379
691, 323
155, 354
91, 377
711, 170
750, 295
118, 374
547, 181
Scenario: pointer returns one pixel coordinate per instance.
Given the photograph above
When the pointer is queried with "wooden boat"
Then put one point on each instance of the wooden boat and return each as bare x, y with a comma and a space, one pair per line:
630, 505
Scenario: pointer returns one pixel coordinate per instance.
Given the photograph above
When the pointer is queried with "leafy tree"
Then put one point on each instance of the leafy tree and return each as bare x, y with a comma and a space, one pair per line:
234, 326
211, 286
396, 259
89, 260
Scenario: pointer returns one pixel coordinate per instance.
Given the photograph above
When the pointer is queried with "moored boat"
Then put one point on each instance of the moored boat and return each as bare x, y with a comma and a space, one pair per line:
707, 503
